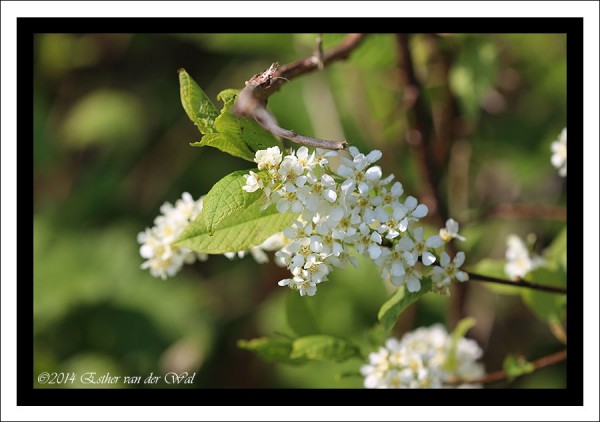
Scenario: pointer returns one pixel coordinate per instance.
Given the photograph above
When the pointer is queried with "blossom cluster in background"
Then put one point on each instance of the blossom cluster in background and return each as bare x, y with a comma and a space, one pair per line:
346, 205
164, 258
559, 153
519, 262
424, 358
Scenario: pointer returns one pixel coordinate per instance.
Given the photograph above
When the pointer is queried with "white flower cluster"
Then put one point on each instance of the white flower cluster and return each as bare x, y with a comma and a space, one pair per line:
422, 359
559, 153
518, 260
163, 258
348, 206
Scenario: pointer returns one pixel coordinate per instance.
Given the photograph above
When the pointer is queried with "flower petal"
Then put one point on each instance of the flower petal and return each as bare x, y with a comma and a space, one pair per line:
434, 242
428, 258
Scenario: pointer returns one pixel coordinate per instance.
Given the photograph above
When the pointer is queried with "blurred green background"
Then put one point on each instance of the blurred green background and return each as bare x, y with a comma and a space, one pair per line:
111, 144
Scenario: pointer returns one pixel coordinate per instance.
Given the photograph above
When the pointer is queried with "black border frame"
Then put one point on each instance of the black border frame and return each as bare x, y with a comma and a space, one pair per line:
27, 395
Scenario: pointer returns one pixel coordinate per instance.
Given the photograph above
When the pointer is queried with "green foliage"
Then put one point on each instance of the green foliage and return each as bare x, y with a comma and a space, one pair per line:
219, 141
323, 347
226, 198
196, 104
474, 73
300, 316
108, 117
237, 232
556, 253
239, 130
227, 132
400, 300
271, 350
545, 305
516, 367
318, 347
495, 268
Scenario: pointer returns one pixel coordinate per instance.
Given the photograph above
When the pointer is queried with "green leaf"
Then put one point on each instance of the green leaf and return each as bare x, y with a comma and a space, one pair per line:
224, 143
459, 332
196, 104
235, 135
236, 232
323, 347
516, 366
547, 306
226, 198
400, 300
300, 316
240, 130
556, 253
271, 350
495, 268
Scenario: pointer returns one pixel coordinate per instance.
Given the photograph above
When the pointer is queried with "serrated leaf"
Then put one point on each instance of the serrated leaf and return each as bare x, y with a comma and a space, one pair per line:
495, 268
237, 232
196, 104
241, 130
224, 143
516, 367
300, 316
459, 332
227, 197
398, 302
547, 306
271, 350
323, 347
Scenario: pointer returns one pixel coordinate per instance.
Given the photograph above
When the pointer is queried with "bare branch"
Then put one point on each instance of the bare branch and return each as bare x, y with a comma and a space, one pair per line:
420, 129
502, 375
547, 212
267, 121
252, 100
516, 283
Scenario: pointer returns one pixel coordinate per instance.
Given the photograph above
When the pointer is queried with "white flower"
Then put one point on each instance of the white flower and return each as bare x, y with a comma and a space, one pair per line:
392, 224
253, 182
451, 231
355, 173
164, 258
271, 157
306, 159
389, 197
518, 261
420, 360
368, 241
289, 200
395, 263
411, 277
449, 270
419, 246
317, 191
559, 153
291, 170
414, 210
305, 287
